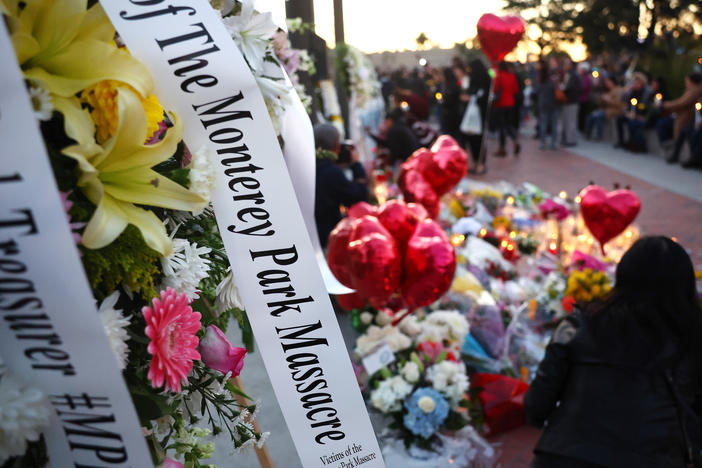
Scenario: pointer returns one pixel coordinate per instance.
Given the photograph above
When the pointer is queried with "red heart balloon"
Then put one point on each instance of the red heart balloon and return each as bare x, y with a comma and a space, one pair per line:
607, 214
429, 265
429, 173
373, 261
415, 188
498, 36
400, 220
351, 301
419, 210
449, 164
361, 209
337, 247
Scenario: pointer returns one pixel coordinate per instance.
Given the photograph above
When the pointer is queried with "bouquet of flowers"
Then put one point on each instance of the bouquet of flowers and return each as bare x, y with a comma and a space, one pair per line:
424, 390
357, 74
294, 60
587, 285
137, 200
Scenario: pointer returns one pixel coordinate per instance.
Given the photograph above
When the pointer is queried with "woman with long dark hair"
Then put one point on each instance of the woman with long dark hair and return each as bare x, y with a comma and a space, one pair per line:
620, 383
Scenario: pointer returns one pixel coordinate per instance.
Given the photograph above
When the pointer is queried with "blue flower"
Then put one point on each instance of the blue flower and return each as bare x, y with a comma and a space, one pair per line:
427, 409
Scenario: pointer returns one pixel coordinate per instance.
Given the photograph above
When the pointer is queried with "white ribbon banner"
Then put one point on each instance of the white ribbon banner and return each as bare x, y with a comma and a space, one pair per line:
200, 73
50, 332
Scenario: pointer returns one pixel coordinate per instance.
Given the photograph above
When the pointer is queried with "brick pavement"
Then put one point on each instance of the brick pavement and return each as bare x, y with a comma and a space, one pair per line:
662, 212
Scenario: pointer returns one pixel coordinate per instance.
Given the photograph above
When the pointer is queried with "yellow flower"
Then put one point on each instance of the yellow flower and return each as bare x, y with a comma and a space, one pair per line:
67, 47
456, 209
102, 98
118, 174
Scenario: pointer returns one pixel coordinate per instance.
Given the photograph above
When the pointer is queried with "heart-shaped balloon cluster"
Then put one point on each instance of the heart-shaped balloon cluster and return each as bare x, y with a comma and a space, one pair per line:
393, 256
430, 173
499, 35
607, 214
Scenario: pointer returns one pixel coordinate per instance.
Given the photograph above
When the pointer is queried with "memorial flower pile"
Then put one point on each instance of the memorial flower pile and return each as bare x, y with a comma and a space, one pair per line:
424, 389
357, 75
138, 201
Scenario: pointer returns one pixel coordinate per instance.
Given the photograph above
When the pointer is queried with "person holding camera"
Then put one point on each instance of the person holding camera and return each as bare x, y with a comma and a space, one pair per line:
341, 179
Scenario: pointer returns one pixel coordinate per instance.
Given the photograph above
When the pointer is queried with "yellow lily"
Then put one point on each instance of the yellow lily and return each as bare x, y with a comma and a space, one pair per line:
67, 47
118, 174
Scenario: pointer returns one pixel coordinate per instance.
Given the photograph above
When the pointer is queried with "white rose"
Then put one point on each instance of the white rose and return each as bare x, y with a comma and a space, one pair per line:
383, 318
410, 372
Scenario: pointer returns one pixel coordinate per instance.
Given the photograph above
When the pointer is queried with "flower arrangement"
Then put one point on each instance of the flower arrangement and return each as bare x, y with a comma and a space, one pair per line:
357, 74
587, 285
137, 200
294, 60
424, 391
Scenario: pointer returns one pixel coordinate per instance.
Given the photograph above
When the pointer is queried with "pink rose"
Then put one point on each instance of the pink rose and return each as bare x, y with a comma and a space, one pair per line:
218, 353
171, 463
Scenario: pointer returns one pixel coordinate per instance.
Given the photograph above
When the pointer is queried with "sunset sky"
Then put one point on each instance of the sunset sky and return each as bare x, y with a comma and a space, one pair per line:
377, 25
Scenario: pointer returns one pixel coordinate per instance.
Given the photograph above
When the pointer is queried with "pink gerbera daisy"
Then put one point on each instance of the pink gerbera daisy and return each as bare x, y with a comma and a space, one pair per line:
171, 324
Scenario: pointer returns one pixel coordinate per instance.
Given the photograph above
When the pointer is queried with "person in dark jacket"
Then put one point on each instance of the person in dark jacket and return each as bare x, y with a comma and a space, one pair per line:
332, 188
569, 117
397, 136
479, 89
619, 385
548, 107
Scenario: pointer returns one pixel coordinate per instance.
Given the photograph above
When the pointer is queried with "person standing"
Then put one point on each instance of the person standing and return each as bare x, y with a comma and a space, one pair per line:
332, 188
505, 89
571, 89
548, 107
620, 384
479, 89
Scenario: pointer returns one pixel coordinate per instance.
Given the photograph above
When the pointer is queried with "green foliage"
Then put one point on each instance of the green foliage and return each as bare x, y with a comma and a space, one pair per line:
127, 260
608, 25
342, 68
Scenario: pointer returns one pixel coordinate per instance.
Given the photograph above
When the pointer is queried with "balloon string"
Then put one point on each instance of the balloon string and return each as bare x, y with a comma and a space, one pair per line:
397, 321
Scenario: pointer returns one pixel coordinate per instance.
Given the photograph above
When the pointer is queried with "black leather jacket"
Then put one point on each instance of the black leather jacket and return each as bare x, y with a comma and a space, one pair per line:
605, 408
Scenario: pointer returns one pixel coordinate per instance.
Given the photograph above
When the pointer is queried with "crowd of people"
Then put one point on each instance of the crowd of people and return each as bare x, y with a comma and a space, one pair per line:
568, 100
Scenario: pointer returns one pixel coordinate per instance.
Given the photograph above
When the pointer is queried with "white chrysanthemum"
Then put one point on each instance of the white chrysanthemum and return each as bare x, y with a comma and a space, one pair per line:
202, 176
450, 379
444, 325
24, 413
252, 31
115, 324
228, 294
184, 268
390, 393
375, 336
410, 371
366, 318
41, 101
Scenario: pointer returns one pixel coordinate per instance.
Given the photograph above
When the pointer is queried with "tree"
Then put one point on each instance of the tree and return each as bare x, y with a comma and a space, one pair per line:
421, 40
610, 25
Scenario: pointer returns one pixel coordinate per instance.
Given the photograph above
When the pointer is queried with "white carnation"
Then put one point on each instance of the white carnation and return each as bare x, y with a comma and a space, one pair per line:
115, 325
24, 413
366, 318
228, 294
375, 336
410, 372
390, 393
450, 379
184, 268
